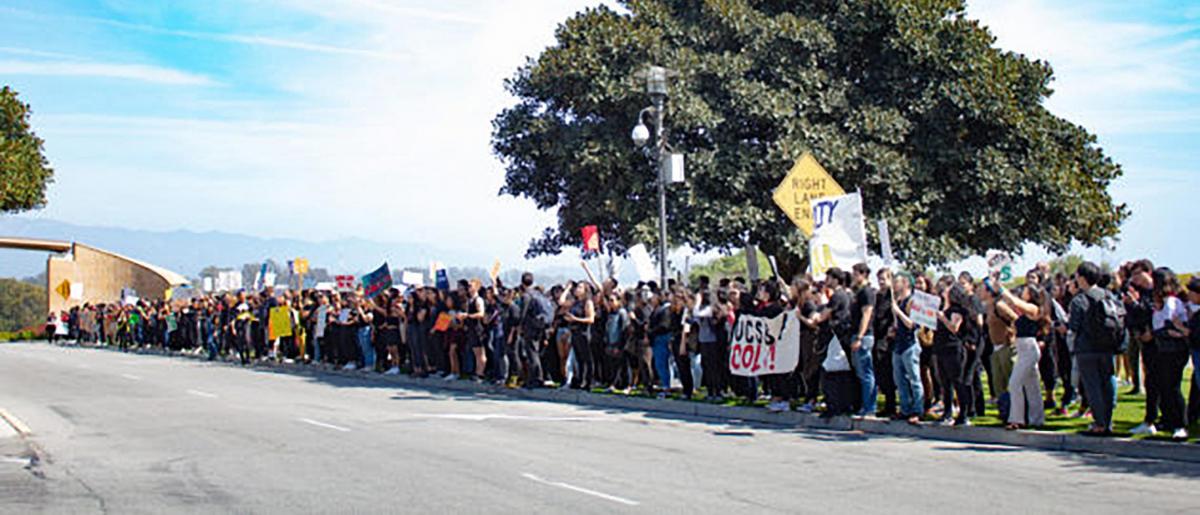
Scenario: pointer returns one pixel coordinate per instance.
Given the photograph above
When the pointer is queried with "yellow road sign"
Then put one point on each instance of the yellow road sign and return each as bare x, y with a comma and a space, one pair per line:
807, 180
64, 289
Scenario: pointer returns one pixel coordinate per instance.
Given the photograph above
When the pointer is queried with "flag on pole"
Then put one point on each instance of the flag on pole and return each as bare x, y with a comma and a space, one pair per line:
376, 282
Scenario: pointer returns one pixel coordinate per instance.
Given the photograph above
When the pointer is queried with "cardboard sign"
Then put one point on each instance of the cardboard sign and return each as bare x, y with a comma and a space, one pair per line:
1000, 263
300, 266
377, 282
345, 283
280, 323
443, 280
442, 323
591, 238
642, 263
806, 181
765, 345
923, 309
839, 237
414, 279
495, 271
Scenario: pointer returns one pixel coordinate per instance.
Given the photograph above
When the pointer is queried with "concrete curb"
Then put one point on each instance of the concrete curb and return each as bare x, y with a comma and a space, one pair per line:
1043, 440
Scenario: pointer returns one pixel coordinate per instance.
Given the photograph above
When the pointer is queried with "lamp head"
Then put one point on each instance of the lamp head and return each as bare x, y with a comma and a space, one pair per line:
640, 135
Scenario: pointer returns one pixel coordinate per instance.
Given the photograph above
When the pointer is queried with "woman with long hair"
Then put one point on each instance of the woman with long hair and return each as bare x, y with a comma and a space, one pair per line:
1024, 385
949, 345
580, 316
1169, 323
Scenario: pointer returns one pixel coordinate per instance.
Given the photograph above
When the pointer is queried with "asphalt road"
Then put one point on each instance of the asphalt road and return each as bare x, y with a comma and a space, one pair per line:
126, 433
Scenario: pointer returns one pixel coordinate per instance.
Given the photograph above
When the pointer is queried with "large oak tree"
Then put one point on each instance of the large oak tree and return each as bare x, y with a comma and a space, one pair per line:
946, 135
24, 170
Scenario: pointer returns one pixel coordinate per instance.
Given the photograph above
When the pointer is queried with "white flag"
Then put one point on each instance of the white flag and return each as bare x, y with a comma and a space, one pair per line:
839, 236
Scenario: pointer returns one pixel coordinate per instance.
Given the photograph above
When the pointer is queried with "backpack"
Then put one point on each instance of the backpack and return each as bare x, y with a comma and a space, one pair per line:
1105, 323
539, 310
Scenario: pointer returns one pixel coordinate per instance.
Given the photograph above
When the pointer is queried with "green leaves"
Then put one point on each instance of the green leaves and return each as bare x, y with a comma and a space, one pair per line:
946, 136
24, 170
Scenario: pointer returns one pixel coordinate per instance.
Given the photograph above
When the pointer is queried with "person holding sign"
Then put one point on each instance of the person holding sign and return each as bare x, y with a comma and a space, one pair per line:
1024, 387
949, 345
906, 354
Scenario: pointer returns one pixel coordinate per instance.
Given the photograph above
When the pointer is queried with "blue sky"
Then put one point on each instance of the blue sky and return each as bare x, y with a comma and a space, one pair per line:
321, 119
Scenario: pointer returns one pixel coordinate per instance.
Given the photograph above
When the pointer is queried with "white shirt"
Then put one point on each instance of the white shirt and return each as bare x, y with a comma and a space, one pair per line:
1173, 309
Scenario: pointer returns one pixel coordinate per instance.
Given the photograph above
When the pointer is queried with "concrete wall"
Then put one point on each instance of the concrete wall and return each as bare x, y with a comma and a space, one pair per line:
103, 275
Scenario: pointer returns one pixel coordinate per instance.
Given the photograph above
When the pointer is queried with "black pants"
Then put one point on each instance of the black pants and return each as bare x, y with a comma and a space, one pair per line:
951, 371
683, 362
585, 369
811, 358
1048, 367
711, 367
840, 390
1169, 374
884, 379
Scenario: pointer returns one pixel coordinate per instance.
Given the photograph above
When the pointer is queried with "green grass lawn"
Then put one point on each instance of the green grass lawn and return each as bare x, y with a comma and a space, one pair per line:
1129, 412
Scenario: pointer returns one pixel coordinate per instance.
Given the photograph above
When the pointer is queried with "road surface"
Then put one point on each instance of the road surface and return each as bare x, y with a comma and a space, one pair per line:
124, 433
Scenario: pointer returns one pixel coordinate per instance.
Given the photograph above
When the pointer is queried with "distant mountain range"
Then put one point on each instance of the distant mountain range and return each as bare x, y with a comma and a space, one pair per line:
188, 252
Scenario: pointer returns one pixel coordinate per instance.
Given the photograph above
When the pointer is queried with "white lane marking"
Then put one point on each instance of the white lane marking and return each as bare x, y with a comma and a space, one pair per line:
131, 377
199, 393
15, 461
482, 417
324, 425
602, 495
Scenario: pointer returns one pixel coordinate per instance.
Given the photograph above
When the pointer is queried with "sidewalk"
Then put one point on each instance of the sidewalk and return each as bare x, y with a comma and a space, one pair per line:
1044, 440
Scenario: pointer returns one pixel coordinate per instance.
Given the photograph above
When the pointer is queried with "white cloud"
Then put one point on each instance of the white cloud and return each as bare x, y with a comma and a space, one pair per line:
1098, 62
136, 72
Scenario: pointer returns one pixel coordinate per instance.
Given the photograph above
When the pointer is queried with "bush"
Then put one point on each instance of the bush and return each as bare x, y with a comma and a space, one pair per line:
20, 336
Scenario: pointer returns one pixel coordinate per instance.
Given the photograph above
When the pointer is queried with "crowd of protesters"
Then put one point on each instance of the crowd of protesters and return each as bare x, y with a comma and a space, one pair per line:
1092, 333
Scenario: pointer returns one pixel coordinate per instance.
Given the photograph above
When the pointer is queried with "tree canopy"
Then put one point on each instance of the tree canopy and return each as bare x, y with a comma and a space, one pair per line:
22, 304
910, 101
24, 170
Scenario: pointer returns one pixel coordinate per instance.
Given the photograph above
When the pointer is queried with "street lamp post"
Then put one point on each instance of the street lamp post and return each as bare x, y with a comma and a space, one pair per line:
656, 87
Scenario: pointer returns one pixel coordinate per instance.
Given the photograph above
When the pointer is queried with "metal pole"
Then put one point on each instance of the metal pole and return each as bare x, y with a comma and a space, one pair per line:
660, 146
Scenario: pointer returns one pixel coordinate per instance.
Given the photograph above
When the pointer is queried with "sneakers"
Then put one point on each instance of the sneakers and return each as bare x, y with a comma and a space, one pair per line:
806, 408
1144, 429
350, 366
394, 371
1180, 434
778, 406
449, 377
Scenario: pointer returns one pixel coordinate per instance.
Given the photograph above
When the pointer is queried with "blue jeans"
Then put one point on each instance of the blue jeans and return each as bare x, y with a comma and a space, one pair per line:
906, 371
865, 370
364, 344
662, 359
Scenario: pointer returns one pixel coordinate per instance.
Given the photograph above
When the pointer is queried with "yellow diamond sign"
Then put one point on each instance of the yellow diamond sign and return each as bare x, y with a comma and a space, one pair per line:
807, 180
64, 289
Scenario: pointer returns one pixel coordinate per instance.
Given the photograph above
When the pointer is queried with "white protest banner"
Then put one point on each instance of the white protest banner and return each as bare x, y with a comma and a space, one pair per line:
765, 345
839, 237
642, 263
207, 284
345, 283
885, 244
76, 291
414, 279
923, 309
228, 280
